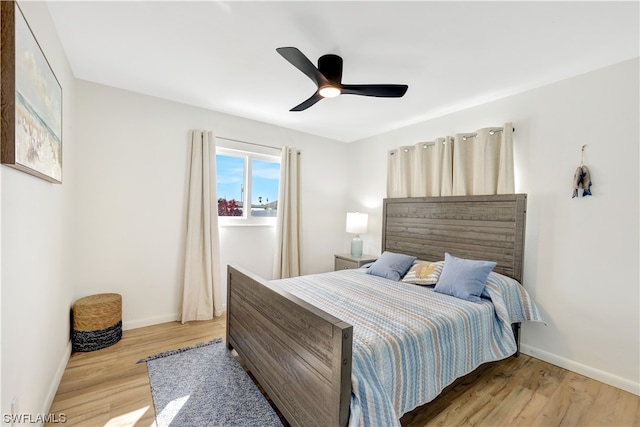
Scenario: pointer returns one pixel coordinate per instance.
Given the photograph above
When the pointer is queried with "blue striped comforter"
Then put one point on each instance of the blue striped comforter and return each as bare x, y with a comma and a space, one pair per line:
410, 342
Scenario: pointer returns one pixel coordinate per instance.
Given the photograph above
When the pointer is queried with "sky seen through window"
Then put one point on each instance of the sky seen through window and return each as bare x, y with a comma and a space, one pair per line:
230, 179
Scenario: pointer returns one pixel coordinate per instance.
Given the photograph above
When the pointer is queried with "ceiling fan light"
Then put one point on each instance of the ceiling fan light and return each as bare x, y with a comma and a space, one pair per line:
329, 92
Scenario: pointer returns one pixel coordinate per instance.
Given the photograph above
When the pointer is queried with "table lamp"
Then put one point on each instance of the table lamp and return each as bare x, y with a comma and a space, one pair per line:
356, 223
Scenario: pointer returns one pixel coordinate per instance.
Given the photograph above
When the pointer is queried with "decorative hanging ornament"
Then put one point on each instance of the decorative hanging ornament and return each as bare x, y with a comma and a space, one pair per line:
582, 178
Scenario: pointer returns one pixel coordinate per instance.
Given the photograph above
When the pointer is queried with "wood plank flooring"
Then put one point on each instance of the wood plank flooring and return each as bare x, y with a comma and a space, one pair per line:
108, 388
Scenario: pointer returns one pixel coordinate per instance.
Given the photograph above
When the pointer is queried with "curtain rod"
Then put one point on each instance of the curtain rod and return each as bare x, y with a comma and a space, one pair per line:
491, 132
250, 143
471, 135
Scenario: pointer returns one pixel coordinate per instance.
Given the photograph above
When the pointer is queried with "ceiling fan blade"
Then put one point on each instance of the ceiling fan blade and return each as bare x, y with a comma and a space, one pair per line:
302, 63
382, 91
308, 103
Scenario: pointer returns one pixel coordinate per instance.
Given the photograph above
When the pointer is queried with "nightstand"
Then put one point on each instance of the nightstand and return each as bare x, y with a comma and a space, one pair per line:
346, 261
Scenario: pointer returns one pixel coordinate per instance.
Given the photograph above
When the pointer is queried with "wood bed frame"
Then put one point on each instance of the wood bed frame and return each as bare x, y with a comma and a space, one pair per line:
301, 355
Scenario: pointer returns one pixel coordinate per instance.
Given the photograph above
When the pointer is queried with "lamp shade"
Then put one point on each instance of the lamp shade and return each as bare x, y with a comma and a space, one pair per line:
357, 222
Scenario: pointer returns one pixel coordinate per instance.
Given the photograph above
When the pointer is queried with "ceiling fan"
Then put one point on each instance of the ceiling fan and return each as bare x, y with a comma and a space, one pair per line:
328, 78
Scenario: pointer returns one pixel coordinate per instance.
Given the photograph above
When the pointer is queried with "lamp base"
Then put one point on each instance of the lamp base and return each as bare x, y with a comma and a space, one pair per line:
356, 247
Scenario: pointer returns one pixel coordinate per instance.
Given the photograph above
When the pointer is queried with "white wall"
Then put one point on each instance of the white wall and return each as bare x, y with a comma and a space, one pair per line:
581, 256
36, 231
131, 199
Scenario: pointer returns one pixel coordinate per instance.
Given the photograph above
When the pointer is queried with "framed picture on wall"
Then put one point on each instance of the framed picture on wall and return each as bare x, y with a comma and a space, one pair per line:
30, 99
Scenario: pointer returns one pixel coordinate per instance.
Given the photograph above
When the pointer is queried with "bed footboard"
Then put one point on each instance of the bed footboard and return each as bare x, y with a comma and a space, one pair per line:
299, 354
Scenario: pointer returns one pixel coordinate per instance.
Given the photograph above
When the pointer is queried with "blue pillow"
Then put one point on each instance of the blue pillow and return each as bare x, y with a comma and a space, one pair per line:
391, 265
463, 278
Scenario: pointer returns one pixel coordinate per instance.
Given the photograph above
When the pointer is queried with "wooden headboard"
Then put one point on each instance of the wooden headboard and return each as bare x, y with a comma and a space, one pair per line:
474, 227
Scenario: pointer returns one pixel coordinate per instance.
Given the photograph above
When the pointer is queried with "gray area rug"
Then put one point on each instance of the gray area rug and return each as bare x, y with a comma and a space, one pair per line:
205, 386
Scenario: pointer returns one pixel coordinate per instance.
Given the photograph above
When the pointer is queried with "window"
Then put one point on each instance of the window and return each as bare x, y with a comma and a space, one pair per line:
230, 185
265, 177
247, 187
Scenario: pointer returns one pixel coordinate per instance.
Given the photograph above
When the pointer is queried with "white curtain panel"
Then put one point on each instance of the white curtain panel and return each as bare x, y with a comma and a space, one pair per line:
475, 163
202, 287
483, 162
393, 173
445, 161
506, 168
287, 254
432, 164
399, 172
422, 176
463, 161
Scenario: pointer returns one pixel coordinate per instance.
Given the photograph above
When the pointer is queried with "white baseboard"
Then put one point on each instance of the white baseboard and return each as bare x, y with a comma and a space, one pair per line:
587, 371
139, 323
53, 388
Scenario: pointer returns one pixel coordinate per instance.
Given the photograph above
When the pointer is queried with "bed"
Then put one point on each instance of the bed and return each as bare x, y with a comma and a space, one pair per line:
315, 343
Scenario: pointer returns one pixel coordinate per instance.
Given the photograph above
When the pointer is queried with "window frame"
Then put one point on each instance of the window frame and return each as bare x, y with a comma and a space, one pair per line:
246, 219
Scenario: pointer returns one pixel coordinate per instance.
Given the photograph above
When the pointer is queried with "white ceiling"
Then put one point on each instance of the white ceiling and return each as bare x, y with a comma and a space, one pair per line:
221, 55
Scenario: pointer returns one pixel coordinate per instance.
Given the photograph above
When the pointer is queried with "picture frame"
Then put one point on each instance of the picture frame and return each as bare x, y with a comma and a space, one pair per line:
30, 100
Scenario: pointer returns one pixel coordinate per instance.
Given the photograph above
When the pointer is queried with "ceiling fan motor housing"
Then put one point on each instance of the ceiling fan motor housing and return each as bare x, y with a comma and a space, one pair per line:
331, 67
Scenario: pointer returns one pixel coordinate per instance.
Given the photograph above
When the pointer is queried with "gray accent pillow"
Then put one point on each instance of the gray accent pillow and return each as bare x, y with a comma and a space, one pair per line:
391, 265
464, 278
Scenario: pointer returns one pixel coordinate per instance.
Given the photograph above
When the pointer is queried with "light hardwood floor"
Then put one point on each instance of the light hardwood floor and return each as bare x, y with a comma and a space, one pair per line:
108, 388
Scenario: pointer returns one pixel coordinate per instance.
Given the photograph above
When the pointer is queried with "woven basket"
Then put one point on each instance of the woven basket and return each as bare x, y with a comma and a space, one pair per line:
97, 322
